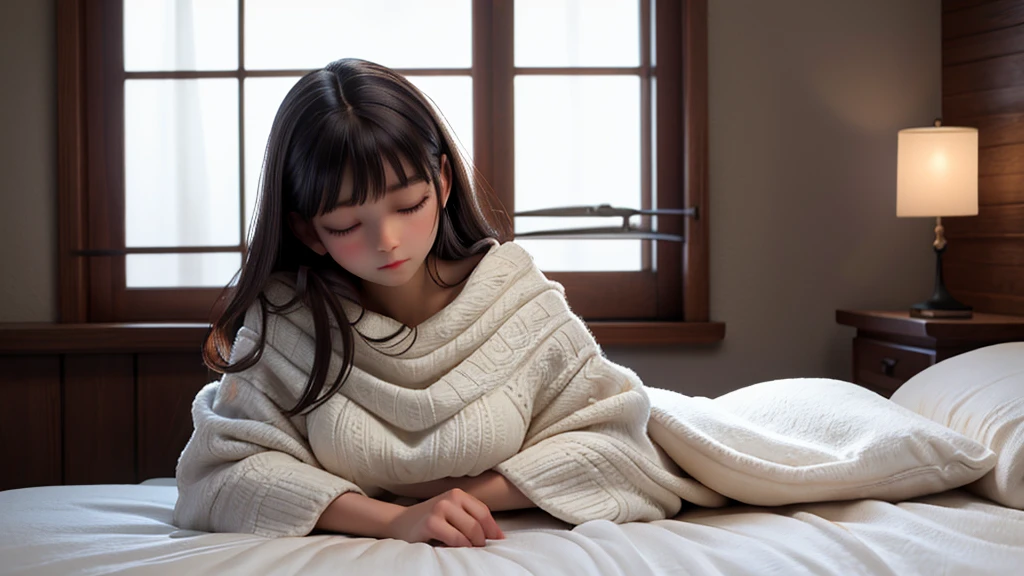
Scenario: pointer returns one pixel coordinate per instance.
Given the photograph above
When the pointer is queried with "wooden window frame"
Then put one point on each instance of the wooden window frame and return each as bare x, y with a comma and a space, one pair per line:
670, 305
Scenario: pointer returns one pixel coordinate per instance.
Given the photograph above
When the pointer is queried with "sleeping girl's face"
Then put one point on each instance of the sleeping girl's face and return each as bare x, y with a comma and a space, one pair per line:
385, 241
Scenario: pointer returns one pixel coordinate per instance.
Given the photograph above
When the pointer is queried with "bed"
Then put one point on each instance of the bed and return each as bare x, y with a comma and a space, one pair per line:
126, 529
974, 530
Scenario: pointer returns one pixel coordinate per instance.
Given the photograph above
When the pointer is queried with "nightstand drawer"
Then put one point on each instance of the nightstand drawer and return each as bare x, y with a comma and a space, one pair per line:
884, 366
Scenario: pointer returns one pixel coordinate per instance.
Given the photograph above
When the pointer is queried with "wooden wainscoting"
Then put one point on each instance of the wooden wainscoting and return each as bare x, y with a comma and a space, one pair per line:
96, 404
983, 86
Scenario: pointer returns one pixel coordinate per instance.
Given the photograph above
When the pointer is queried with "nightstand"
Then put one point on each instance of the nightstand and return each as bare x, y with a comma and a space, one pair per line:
891, 347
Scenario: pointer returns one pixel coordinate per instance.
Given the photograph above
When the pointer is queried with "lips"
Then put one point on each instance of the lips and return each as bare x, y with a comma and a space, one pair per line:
393, 265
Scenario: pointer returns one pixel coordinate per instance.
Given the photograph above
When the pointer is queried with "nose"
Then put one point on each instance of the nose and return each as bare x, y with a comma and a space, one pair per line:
388, 239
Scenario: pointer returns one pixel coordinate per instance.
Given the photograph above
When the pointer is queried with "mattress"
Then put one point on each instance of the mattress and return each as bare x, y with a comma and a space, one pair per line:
126, 529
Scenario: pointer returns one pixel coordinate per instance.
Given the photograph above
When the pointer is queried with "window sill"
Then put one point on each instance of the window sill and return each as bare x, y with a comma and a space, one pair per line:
47, 338
645, 333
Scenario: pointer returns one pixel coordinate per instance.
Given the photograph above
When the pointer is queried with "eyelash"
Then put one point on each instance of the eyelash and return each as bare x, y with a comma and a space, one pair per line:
412, 210
417, 207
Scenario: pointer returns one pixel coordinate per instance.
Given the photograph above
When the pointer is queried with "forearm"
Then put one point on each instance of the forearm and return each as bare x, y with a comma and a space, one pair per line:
491, 488
496, 492
358, 515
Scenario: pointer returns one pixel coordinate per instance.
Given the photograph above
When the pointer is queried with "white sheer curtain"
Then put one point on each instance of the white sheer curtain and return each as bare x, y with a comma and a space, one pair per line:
181, 138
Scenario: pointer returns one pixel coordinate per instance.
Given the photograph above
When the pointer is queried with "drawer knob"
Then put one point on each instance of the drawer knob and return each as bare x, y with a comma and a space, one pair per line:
888, 365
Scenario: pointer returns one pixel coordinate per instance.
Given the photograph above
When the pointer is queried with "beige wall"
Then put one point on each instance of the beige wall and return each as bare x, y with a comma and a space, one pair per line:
806, 98
805, 101
28, 161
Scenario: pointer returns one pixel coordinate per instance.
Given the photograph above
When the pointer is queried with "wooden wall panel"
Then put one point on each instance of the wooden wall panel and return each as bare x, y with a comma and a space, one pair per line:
974, 104
166, 386
981, 17
1001, 160
983, 86
30, 423
99, 419
989, 74
1006, 189
1004, 220
998, 251
998, 130
981, 46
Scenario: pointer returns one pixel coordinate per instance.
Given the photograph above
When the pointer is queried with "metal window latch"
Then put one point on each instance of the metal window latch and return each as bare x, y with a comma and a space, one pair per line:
625, 232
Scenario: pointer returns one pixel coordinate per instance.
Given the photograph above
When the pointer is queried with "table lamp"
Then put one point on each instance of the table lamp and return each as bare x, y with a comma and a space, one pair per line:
936, 176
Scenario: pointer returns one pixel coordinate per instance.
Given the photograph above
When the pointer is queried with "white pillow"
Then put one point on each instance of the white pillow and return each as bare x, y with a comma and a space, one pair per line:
979, 394
810, 440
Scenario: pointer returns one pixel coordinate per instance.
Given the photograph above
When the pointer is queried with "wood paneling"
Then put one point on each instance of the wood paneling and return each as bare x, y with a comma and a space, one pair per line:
985, 278
982, 17
42, 338
99, 419
989, 103
1001, 160
1000, 72
92, 418
997, 130
1004, 303
983, 86
1008, 189
167, 384
991, 221
951, 5
30, 423
995, 251
981, 46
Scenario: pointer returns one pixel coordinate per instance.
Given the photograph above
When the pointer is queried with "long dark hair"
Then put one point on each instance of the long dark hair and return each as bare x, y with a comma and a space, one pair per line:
352, 115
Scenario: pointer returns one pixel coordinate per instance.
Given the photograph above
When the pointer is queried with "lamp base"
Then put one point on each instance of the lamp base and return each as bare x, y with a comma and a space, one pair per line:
941, 304
916, 312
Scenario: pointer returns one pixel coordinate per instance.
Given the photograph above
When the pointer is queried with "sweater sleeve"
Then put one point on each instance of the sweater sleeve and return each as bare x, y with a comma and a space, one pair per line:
248, 468
589, 456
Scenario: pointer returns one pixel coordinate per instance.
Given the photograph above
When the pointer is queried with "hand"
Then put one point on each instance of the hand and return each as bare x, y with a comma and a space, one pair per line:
455, 518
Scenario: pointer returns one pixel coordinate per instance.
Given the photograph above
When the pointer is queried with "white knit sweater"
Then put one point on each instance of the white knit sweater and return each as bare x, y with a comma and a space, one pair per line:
506, 377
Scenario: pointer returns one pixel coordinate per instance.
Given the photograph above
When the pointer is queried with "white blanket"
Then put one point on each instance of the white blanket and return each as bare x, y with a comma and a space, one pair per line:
127, 529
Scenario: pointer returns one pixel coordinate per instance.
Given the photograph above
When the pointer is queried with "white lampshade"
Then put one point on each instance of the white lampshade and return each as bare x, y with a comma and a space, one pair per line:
937, 172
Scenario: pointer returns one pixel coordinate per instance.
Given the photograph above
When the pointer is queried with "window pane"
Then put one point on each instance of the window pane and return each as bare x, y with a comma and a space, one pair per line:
180, 35
453, 96
263, 97
577, 33
577, 143
181, 270
181, 162
304, 34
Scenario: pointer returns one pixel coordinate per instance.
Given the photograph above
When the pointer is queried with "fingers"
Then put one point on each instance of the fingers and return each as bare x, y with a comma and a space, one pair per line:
449, 535
482, 514
457, 516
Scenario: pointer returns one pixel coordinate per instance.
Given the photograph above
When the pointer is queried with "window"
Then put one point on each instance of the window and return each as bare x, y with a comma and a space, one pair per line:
165, 107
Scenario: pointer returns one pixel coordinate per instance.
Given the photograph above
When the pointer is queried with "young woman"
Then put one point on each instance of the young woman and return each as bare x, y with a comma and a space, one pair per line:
385, 339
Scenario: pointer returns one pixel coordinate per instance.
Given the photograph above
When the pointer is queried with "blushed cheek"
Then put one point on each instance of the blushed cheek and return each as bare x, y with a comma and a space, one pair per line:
421, 229
351, 251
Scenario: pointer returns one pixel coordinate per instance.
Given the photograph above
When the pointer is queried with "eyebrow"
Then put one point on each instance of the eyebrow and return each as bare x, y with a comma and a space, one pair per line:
396, 186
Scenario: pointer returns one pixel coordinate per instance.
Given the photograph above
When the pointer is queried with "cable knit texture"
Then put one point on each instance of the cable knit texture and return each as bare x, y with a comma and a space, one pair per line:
507, 378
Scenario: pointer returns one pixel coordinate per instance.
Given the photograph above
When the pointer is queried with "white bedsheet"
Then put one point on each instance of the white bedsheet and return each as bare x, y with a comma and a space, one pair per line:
126, 529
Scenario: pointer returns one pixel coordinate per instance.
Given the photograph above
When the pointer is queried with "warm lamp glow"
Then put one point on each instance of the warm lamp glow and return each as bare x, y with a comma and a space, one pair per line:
937, 172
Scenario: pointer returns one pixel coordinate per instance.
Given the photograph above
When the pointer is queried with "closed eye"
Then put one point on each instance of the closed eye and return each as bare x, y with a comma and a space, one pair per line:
348, 230
417, 207
352, 228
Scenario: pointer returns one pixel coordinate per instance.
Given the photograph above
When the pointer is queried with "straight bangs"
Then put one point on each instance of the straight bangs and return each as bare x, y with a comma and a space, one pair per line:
357, 144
